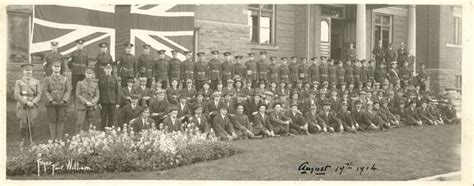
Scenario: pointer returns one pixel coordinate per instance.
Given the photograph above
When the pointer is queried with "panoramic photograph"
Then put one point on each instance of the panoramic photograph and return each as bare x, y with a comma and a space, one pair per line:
239, 92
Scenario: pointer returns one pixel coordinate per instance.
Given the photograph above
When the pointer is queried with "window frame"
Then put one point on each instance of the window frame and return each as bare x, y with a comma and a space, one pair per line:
258, 11
389, 25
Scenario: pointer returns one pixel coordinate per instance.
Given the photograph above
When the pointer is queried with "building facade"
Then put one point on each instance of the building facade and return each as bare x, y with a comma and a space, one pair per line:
433, 32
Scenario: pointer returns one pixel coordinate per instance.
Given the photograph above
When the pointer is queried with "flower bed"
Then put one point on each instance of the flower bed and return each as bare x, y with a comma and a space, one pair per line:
118, 151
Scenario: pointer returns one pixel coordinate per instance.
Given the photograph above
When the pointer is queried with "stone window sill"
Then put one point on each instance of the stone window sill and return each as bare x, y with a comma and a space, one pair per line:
453, 45
264, 47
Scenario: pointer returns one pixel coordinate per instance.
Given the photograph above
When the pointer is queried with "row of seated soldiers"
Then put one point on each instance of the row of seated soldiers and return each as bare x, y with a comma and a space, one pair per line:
232, 114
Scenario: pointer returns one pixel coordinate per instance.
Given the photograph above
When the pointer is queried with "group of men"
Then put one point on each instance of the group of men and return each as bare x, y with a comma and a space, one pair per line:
260, 98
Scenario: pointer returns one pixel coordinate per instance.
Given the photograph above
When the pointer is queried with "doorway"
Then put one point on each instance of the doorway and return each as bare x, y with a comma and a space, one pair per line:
337, 37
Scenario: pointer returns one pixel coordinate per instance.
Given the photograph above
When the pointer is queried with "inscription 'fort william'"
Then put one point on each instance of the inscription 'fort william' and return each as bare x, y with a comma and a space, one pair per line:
71, 165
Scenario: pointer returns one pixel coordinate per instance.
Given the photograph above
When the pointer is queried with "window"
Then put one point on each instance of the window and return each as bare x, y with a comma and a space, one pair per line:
324, 31
382, 29
262, 24
457, 31
18, 36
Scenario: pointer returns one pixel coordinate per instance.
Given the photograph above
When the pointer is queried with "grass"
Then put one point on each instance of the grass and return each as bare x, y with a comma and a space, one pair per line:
398, 154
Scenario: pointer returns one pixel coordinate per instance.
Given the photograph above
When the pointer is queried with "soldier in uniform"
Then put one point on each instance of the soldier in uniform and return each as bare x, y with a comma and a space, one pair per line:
200, 71
393, 74
239, 68
378, 53
323, 70
127, 65
364, 72
284, 71
371, 71
78, 62
187, 67
27, 93
422, 77
294, 70
380, 73
103, 59
57, 89
227, 67
174, 67
349, 75
390, 54
331, 72
340, 72
356, 70
273, 70
251, 67
51, 57
304, 70
402, 54
405, 74
162, 69
145, 65
350, 52
109, 97
87, 97
262, 66
214, 67
314, 70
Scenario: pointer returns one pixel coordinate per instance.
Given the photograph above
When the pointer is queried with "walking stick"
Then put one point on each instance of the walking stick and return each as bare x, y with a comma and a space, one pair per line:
29, 125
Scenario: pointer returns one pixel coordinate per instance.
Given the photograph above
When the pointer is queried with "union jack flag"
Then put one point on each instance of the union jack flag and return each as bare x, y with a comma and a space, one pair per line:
163, 26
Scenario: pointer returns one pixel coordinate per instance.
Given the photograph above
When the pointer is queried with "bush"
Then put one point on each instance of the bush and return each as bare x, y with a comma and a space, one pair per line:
119, 151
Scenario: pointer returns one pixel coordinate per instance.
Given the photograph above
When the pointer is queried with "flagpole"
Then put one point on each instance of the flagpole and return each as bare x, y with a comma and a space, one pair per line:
31, 26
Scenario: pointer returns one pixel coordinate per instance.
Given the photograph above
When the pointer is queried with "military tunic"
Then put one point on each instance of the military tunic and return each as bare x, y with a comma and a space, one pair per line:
380, 74
145, 65
294, 70
371, 73
323, 72
262, 68
109, 98
284, 73
103, 59
304, 72
349, 74
227, 70
314, 72
402, 56
174, 67
332, 74
161, 70
87, 91
187, 70
27, 90
356, 72
251, 70
364, 74
239, 70
340, 72
57, 89
127, 68
273, 73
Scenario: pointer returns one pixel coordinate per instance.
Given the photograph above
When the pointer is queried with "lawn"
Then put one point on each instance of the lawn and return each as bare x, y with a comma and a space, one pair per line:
398, 154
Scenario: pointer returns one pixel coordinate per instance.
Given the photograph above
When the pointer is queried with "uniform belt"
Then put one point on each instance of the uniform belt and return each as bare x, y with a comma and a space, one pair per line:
284, 76
263, 72
215, 70
324, 75
188, 71
357, 75
201, 72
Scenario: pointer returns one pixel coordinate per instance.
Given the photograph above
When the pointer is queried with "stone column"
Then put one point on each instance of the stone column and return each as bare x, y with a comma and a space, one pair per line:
411, 44
361, 32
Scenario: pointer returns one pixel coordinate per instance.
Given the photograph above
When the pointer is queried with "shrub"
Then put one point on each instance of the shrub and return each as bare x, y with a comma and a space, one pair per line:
119, 151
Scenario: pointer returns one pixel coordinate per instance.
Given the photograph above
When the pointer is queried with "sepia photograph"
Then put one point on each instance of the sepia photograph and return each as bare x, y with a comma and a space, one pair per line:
236, 92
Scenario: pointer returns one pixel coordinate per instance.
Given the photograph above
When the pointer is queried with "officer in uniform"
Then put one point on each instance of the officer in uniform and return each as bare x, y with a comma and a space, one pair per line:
27, 93
340, 73
87, 97
227, 67
273, 70
51, 57
162, 69
109, 97
145, 64
57, 89
251, 66
187, 67
78, 62
262, 66
127, 65
402, 54
200, 70
294, 70
214, 68
314, 70
284, 71
174, 67
239, 68
103, 59
323, 70
378, 53
350, 52
349, 75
